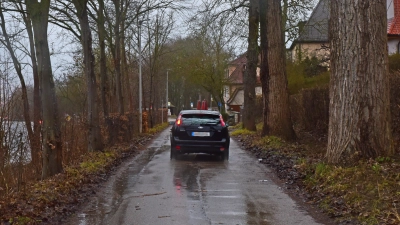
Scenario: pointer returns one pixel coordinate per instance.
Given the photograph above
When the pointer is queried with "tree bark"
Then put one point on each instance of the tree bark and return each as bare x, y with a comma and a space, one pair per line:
125, 71
103, 60
95, 142
250, 75
37, 104
278, 117
51, 130
117, 58
264, 68
359, 113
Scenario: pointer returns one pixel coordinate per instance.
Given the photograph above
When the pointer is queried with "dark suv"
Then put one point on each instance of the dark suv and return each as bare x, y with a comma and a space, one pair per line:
200, 131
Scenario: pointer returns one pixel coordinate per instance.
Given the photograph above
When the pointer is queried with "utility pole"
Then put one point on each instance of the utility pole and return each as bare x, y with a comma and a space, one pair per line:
140, 78
166, 97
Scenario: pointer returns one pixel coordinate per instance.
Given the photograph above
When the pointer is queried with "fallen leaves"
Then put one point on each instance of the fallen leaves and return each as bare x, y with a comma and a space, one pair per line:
365, 193
53, 199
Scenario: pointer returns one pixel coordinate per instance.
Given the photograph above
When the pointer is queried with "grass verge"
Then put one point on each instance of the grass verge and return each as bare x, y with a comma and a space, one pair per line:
48, 201
366, 193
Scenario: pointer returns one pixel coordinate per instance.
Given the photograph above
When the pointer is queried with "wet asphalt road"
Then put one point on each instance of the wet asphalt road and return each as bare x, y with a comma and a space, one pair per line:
196, 189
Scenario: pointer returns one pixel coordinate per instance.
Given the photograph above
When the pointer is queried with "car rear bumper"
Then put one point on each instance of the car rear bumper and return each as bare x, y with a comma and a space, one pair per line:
190, 146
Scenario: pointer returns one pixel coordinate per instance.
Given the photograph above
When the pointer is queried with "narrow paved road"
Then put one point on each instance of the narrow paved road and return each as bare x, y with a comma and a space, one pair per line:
195, 189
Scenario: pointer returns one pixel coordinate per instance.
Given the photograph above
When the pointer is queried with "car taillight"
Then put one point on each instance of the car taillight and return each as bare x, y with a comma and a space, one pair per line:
179, 121
222, 120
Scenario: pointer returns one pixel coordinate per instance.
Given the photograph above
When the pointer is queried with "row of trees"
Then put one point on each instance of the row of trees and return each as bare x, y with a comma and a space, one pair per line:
359, 121
359, 124
217, 34
107, 33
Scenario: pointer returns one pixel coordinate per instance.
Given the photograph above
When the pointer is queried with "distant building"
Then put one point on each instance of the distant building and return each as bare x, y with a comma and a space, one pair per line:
234, 92
313, 37
393, 26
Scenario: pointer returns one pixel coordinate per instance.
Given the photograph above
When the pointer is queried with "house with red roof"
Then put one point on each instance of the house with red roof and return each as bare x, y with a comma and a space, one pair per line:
393, 29
312, 41
313, 37
234, 92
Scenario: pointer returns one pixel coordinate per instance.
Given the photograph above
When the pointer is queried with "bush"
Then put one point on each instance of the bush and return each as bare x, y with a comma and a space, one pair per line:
394, 62
298, 79
312, 67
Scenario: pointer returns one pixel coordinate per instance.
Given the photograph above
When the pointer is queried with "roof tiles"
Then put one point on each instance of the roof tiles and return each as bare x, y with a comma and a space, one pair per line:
394, 23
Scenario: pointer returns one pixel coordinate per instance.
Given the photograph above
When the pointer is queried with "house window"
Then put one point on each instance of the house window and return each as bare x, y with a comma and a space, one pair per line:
226, 92
398, 47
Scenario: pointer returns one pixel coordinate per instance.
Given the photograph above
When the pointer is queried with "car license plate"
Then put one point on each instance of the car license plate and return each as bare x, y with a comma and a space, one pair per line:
201, 134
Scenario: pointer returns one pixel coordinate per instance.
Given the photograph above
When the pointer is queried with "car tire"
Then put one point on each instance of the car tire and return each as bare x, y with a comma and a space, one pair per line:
173, 153
226, 154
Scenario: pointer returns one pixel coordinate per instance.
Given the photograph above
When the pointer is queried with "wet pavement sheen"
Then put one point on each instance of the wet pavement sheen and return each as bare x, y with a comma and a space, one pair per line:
196, 189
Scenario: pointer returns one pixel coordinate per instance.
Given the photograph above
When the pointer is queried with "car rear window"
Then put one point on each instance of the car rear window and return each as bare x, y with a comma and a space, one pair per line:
197, 119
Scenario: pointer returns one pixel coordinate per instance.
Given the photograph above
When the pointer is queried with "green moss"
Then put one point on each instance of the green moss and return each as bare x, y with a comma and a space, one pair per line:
259, 126
242, 132
270, 142
158, 128
383, 159
321, 170
24, 220
376, 168
98, 161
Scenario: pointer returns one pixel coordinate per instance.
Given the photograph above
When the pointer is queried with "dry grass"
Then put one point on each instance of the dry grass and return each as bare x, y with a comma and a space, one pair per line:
48, 200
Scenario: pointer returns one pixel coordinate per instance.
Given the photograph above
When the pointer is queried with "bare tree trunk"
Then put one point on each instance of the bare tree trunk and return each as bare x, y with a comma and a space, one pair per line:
264, 68
94, 136
359, 113
124, 64
103, 60
152, 71
125, 71
250, 75
117, 59
51, 132
278, 118
37, 104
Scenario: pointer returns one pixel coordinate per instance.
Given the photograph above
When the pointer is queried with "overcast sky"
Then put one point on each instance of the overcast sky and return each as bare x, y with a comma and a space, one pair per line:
62, 48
